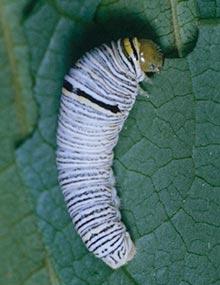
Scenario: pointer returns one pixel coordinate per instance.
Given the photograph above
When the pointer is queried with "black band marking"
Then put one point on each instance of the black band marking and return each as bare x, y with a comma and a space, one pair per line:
67, 85
134, 49
112, 108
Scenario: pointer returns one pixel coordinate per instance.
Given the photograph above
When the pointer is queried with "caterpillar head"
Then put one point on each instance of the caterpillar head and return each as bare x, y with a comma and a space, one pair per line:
146, 52
151, 58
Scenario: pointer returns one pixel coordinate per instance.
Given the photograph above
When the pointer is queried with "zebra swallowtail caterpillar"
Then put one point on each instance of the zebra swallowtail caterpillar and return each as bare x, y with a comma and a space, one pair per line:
97, 96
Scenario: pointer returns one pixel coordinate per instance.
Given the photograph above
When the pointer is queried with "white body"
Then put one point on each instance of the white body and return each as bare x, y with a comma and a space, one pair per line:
87, 133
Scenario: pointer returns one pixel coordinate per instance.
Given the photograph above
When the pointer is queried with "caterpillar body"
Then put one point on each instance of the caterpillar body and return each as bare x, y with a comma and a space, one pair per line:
97, 95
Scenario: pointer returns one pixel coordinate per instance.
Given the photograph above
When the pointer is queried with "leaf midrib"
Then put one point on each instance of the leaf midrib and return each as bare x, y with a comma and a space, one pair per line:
15, 79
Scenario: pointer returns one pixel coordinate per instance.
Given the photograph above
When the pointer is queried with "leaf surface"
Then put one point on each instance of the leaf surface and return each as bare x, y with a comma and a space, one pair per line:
166, 162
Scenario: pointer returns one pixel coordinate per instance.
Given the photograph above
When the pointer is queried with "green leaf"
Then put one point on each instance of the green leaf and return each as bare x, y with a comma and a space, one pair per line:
24, 258
166, 162
172, 23
209, 8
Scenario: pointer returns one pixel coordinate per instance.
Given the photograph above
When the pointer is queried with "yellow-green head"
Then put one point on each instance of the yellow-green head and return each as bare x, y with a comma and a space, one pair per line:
146, 52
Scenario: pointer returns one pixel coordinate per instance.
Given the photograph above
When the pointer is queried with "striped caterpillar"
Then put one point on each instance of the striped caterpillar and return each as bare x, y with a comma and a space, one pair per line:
97, 95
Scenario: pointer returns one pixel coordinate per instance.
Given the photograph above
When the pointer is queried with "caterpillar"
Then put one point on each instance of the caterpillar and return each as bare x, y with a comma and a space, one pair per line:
97, 95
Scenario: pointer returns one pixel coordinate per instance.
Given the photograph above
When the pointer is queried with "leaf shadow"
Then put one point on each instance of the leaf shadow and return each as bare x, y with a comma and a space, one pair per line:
117, 27
128, 25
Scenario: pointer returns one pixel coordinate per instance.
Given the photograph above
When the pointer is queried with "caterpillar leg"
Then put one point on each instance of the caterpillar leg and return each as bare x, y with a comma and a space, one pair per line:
142, 87
147, 80
143, 92
115, 198
112, 178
